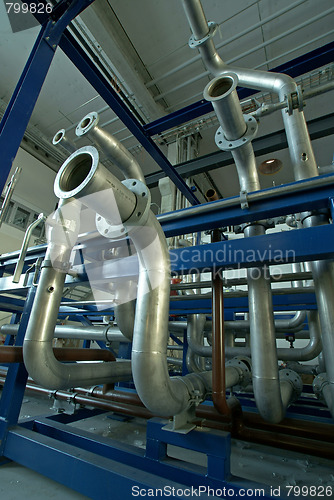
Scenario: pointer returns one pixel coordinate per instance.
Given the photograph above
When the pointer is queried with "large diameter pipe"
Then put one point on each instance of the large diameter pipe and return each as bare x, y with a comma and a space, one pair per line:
300, 147
112, 148
83, 176
80, 176
222, 93
163, 395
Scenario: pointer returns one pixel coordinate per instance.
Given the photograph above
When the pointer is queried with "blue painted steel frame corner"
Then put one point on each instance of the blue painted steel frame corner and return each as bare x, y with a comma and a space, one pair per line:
23, 100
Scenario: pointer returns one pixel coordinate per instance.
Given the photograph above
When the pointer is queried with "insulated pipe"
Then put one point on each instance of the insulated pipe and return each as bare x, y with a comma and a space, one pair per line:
14, 354
81, 174
300, 147
112, 148
60, 139
162, 395
307, 353
98, 333
116, 152
222, 93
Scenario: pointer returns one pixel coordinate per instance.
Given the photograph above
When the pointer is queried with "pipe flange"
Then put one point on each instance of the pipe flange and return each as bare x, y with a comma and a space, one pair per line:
248, 136
212, 31
87, 123
294, 379
318, 385
138, 217
244, 366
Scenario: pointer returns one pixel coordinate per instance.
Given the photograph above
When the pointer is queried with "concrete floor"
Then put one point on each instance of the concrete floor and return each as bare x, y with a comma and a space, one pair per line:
254, 462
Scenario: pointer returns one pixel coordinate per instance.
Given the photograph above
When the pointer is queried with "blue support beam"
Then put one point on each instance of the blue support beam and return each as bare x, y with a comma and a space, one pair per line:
22, 103
316, 243
15, 384
273, 202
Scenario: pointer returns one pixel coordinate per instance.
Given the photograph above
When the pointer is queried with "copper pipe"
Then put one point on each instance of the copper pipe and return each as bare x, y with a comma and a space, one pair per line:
211, 195
13, 354
218, 347
212, 419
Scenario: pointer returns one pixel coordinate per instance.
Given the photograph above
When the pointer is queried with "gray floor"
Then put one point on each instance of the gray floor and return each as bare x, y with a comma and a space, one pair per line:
253, 462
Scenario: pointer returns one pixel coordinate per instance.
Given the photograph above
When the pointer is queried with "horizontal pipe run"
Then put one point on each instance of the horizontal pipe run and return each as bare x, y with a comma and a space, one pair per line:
95, 333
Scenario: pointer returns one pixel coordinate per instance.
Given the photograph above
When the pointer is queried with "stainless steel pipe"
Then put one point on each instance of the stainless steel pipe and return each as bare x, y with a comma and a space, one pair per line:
112, 148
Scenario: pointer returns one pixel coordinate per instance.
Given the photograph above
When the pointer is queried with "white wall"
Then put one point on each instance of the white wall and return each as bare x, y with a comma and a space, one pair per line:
34, 189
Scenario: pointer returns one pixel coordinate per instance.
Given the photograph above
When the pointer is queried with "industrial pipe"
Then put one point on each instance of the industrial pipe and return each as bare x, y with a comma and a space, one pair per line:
81, 174
61, 139
104, 333
112, 148
14, 354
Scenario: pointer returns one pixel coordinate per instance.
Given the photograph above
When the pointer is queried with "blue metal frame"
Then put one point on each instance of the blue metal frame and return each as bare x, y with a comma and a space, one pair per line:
94, 465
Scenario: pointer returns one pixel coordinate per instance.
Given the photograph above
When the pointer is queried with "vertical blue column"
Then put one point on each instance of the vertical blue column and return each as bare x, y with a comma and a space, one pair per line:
13, 391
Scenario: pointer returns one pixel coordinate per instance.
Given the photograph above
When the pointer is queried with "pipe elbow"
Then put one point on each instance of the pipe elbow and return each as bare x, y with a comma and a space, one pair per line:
43, 367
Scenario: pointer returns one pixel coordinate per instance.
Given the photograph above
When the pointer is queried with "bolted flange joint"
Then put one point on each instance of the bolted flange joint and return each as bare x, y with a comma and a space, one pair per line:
294, 380
243, 366
138, 217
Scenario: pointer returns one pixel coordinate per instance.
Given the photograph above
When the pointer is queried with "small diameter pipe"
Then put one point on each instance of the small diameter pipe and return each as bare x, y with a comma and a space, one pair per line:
296, 436
293, 434
112, 148
60, 139
14, 354
9, 193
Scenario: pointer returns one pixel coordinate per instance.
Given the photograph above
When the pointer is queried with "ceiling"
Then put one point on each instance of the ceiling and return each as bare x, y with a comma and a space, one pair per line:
143, 48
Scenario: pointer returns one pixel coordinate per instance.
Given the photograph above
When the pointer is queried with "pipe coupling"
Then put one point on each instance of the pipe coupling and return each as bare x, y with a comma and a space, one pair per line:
243, 365
294, 380
137, 219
